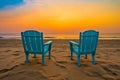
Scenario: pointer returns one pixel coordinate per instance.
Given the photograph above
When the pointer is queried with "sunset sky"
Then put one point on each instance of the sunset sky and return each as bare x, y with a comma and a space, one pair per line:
60, 16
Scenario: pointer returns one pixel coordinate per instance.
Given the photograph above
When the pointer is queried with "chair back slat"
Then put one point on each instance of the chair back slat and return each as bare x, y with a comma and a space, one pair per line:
88, 41
32, 41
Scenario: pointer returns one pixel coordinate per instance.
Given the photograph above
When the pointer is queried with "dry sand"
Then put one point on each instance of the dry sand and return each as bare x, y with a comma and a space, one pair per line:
60, 67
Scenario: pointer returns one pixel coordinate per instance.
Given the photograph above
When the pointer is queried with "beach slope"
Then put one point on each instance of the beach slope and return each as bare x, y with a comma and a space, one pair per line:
60, 67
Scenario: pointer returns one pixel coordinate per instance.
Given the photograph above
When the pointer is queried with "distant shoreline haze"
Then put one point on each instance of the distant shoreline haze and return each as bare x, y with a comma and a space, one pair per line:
63, 36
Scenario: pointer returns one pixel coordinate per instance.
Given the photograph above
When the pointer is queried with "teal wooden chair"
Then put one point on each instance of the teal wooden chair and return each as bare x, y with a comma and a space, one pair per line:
33, 43
87, 45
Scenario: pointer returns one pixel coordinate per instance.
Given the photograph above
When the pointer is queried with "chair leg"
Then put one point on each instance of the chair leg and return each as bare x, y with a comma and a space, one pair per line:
27, 57
93, 59
78, 60
50, 51
85, 56
71, 52
43, 60
71, 55
49, 55
34, 56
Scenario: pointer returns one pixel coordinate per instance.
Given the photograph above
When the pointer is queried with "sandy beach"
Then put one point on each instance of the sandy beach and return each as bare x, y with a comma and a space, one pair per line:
60, 67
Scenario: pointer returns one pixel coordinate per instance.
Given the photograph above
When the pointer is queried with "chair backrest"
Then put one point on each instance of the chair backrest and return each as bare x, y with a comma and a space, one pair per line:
88, 41
32, 41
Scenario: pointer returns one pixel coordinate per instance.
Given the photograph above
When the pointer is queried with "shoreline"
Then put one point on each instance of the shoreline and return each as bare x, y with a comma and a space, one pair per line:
57, 39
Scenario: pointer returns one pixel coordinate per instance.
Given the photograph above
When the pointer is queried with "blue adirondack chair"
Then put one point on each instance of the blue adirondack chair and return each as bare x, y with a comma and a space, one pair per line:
87, 45
33, 43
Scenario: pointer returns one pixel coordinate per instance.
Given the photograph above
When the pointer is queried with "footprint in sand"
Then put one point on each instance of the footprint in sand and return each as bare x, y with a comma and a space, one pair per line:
97, 74
93, 74
7, 50
2, 57
61, 64
114, 66
109, 71
6, 70
17, 51
25, 75
98, 57
16, 54
117, 50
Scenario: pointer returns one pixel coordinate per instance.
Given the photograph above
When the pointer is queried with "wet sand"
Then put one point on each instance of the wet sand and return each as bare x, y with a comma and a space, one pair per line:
60, 67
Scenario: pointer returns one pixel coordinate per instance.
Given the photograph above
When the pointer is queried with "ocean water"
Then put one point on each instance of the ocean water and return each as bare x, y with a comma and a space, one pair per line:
63, 36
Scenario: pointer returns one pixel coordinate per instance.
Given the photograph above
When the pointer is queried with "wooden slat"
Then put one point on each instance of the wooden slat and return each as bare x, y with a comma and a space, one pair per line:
33, 41
39, 42
28, 42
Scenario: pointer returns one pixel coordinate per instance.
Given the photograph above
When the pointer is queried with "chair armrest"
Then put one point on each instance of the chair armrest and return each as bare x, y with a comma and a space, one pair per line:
74, 43
48, 43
